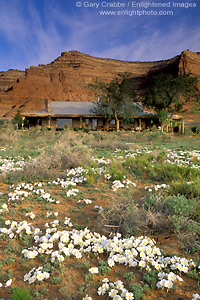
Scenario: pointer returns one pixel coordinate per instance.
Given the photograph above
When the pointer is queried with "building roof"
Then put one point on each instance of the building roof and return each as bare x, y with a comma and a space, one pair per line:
75, 108
72, 107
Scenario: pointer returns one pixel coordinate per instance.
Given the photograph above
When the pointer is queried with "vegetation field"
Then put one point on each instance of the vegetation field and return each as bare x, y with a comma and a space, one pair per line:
99, 215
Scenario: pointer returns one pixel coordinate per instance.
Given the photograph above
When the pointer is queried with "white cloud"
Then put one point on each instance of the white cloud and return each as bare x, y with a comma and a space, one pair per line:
12, 24
157, 46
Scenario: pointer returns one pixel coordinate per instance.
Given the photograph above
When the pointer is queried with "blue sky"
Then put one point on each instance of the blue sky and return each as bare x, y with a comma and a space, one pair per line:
35, 32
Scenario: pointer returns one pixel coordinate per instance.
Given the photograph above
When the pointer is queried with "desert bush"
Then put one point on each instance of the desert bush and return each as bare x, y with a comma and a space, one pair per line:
129, 276
91, 176
103, 267
169, 172
121, 216
2, 123
161, 156
180, 215
100, 136
189, 190
173, 205
137, 165
21, 294
150, 278
137, 290
189, 236
106, 144
116, 170
48, 166
154, 215
9, 137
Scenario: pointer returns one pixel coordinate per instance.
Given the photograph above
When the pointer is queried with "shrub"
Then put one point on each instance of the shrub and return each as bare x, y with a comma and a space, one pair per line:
181, 206
116, 170
179, 214
137, 165
129, 275
161, 156
103, 267
169, 172
56, 280
121, 216
189, 190
151, 278
137, 290
21, 294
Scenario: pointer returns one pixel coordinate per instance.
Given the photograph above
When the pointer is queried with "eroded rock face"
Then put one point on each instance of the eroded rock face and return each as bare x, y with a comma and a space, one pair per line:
189, 63
8, 78
68, 76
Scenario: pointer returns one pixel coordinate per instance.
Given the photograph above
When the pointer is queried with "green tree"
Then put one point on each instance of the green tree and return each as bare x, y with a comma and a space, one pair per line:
116, 98
168, 94
17, 119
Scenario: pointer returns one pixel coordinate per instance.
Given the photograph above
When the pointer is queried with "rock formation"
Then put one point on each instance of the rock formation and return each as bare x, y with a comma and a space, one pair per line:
9, 78
68, 76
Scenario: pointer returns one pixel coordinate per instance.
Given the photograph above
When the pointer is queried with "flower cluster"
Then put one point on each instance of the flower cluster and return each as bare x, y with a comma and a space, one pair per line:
72, 192
102, 161
117, 184
86, 201
156, 187
115, 290
11, 164
195, 296
182, 158
51, 214
36, 275
16, 228
24, 190
179, 158
166, 280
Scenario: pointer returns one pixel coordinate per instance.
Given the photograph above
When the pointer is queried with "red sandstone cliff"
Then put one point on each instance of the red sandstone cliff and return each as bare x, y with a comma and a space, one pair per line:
68, 76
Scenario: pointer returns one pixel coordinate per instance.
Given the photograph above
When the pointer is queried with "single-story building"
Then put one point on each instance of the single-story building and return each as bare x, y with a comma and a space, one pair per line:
80, 115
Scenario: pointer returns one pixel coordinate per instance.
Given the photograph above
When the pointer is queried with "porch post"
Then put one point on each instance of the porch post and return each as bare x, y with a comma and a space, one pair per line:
183, 127
140, 124
167, 128
81, 122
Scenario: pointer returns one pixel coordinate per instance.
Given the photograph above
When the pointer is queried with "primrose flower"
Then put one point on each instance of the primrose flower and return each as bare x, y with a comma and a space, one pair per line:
46, 275
94, 270
159, 284
142, 263
101, 291
168, 284
26, 277
111, 262
8, 283
40, 276
113, 292
129, 296
161, 275
171, 276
